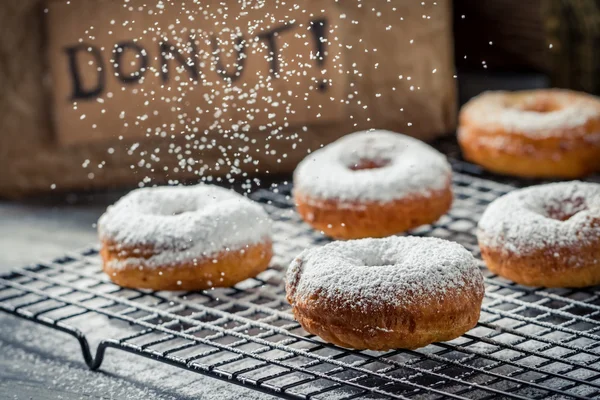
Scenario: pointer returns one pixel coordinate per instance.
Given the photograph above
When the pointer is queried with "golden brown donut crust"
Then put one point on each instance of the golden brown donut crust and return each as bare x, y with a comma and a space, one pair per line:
403, 330
546, 267
221, 270
430, 320
566, 153
528, 158
355, 220
546, 235
380, 294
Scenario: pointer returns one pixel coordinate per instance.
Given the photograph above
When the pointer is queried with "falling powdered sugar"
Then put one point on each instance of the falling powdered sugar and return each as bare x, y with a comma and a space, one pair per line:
553, 216
398, 166
182, 223
369, 274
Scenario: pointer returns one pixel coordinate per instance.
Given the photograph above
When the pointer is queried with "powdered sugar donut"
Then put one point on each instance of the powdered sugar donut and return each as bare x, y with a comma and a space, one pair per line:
184, 238
547, 235
537, 133
372, 184
379, 294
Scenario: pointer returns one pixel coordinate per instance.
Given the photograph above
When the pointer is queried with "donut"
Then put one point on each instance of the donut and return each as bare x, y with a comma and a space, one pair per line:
372, 184
380, 294
184, 238
546, 235
548, 133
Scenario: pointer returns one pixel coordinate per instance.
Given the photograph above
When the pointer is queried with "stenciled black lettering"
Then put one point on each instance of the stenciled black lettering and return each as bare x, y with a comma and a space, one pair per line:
240, 48
318, 29
80, 92
269, 37
171, 52
119, 51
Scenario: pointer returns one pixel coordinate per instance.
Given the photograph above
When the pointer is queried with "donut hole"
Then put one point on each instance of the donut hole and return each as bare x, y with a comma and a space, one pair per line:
378, 260
180, 209
566, 209
539, 105
366, 163
172, 211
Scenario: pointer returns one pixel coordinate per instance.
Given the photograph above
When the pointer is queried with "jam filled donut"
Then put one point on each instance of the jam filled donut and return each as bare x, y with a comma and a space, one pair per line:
538, 133
184, 238
380, 294
372, 184
547, 235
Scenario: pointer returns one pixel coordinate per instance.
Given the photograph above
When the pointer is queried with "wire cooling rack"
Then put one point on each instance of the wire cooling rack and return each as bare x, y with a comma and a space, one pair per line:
530, 343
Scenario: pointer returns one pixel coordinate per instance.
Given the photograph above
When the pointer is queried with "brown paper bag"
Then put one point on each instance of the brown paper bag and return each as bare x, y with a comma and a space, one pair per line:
105, 93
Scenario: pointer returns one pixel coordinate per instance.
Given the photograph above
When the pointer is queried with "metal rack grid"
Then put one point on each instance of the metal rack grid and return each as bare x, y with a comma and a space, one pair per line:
529, 343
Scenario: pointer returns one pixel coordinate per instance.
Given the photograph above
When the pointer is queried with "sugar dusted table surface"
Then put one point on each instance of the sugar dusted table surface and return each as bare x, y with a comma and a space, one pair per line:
39, 363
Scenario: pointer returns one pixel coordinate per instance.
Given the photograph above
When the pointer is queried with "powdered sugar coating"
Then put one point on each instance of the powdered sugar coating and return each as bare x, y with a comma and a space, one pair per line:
182, 223
369, 274
514, 113
531, 219
413, 167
